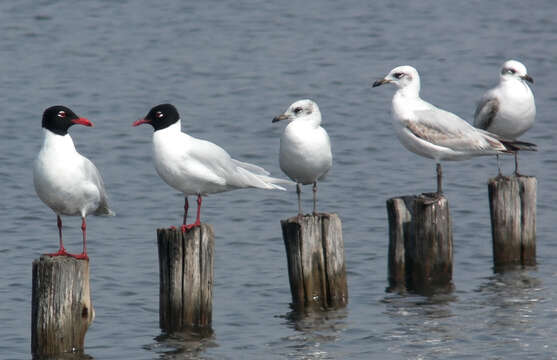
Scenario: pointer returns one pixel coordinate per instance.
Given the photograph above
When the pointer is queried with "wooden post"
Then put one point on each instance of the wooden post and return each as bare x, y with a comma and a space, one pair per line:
186, 278
61, 305
512, 204
420, 244
315, 255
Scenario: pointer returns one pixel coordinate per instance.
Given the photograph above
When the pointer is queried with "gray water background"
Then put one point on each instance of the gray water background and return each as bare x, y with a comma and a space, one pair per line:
230, 67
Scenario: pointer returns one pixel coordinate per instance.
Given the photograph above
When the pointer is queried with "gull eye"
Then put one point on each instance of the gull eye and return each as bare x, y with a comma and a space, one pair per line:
61, 114
508, 71
297, 110
398, 75
159, 114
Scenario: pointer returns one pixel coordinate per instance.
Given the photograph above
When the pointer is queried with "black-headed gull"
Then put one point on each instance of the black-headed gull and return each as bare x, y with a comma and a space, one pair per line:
305, 148
509, 108
435, 133
198, 167
65, 180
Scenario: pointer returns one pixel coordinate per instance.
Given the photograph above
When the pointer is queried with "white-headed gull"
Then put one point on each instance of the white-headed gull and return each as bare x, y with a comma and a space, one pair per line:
509, 108
305, 149
65, 180
198, 167
435, 133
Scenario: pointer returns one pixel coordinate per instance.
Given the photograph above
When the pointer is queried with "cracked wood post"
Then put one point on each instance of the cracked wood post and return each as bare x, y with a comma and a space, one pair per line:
420, 244
61, 309
186, 278
512, 204
315, 255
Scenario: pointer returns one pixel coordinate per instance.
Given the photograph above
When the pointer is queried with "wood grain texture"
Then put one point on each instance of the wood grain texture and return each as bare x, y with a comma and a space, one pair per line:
186, 277
512, 203
420, 244
61, 305
315, 255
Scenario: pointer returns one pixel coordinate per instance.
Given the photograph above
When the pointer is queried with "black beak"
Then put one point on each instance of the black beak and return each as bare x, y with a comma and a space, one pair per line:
279, 118
527, 78
381, 82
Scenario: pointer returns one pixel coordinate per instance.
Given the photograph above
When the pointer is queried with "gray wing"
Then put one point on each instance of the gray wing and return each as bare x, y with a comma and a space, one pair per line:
95, 177
485, 113
443, 128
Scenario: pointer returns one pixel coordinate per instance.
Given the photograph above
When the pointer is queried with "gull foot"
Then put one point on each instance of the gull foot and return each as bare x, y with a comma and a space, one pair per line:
431, 198
186, 228
82, 256
61, 252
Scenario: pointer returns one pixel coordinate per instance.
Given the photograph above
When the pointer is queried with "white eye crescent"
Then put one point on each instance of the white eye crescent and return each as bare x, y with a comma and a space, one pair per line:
62, 114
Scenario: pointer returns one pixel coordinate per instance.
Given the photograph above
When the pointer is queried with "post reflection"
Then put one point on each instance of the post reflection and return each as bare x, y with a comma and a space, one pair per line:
511, 297
188, 344
422, 325
314, 332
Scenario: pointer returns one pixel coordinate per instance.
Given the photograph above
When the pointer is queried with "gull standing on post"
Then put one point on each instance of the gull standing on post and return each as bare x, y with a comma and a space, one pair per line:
198, 167
305, 149
66, 181
435, 133
508, 109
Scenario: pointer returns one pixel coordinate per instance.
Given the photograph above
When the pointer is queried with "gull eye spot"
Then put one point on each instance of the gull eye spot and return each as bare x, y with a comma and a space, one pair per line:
159, 115
61, 114
398, 75
297, 110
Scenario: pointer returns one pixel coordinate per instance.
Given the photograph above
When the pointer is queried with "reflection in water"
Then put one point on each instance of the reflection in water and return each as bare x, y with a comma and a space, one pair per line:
422, 324
312, 331
511, 296
65, 356
190, 344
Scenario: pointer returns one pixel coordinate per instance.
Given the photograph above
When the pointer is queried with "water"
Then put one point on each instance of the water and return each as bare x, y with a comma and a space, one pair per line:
230, 68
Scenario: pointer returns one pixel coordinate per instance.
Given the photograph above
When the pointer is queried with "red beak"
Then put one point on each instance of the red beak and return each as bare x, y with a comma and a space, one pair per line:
140, 121
82, 121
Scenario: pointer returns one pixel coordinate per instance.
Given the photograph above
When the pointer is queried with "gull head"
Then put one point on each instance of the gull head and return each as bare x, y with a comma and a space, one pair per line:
160, 117
513, 69
302, 109
59, 118
404, 77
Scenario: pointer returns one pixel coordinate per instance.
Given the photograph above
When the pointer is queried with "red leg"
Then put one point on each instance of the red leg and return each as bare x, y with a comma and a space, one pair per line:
83, 255
186, 207
61, 251
197, 220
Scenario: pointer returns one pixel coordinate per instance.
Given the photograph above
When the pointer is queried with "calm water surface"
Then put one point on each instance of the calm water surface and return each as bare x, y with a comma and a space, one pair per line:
230, 68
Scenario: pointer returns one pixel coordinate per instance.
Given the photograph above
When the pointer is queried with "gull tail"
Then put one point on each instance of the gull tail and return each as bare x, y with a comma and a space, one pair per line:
259, 180
511, 146
272, 181
104, 210
515, 145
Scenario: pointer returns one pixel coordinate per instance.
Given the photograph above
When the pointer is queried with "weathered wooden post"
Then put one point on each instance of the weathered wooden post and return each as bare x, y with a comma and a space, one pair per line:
186, 277
315, 255
61, 305
420, 244
512, 204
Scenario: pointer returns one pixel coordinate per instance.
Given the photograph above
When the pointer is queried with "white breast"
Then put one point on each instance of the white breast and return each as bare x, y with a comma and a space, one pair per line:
517, 110
61, 179
305, 152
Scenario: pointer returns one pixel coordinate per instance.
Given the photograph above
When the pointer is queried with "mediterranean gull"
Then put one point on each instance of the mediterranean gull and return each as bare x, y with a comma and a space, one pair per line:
435, 133
508, 109
198, 167
305, 149
65, 180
